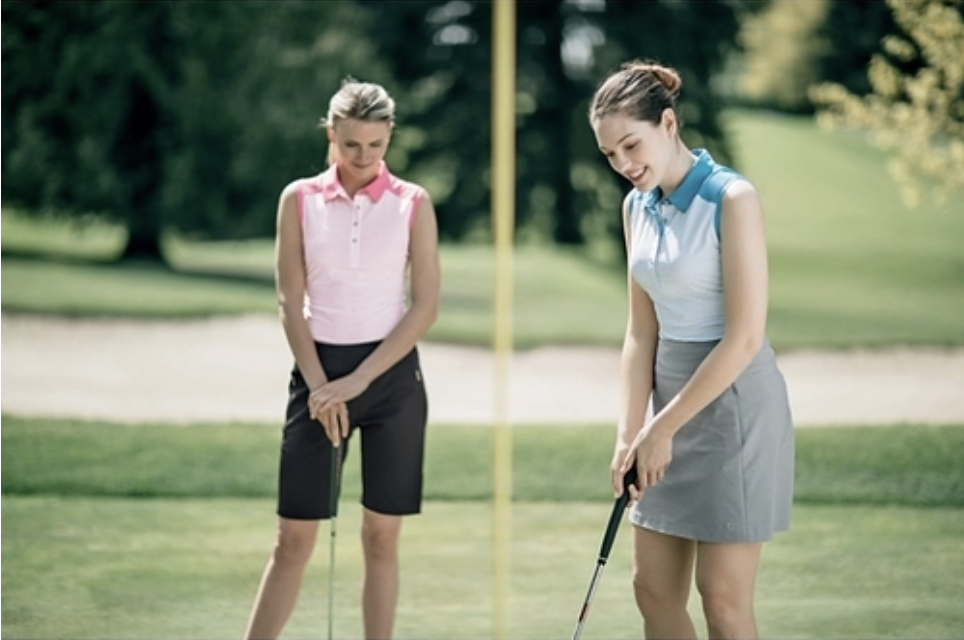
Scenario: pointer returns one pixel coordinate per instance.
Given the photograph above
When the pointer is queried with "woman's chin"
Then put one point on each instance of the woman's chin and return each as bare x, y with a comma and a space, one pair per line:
641, 181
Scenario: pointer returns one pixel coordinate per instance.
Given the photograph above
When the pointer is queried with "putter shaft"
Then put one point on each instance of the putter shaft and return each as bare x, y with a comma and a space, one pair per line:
335, 491
612, 527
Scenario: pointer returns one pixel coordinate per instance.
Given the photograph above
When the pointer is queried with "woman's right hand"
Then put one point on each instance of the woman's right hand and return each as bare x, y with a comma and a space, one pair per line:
334, 418
616, 472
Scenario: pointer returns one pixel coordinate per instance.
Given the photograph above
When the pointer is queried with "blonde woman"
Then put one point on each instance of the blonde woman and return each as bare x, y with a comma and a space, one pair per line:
353, 244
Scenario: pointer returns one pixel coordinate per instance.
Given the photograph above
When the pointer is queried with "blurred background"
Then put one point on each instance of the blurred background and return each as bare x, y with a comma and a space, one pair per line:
158, 135
190, 117
144, 146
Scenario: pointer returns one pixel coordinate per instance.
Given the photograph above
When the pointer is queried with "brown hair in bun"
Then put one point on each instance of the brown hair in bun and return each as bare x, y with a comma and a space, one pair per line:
640, 90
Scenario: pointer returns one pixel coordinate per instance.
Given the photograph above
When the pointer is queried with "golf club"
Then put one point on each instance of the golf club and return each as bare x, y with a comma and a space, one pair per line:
607, 544
335, 490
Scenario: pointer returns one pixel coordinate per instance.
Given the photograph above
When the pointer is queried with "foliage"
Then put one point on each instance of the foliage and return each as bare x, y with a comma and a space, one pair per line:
168, 115
916, 109
790, 45
192, 116
780, 62
438, 54
87, 103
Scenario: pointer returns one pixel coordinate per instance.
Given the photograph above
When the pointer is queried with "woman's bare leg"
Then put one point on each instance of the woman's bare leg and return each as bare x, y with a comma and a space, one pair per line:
726, 578
380, 535
282, 578
662, 575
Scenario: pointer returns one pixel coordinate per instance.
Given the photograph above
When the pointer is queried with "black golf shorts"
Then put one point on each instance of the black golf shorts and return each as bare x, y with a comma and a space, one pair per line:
390, 415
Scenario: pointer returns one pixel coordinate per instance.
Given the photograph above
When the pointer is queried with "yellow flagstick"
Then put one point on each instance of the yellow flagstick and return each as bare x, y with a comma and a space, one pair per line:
503, 219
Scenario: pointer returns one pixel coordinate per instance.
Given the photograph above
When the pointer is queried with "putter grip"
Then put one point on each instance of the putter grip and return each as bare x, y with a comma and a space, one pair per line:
616, 516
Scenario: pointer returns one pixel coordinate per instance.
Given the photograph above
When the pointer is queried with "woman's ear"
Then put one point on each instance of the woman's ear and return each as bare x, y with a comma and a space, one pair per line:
668, 121
331, 134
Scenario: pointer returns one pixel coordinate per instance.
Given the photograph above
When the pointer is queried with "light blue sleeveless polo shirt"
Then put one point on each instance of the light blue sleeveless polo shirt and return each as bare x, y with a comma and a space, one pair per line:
675, 252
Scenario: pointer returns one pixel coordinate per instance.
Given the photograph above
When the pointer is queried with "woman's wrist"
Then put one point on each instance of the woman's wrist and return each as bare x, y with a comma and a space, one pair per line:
659, 429
315, 384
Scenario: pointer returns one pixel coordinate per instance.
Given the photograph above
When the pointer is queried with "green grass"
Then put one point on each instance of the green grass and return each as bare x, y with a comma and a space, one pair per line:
850, 266
148, 531
558, 293
135, 291
911, 465
82, 567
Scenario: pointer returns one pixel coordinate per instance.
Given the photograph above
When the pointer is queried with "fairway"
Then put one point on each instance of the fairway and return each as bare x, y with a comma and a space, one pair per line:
149, 531
118, 568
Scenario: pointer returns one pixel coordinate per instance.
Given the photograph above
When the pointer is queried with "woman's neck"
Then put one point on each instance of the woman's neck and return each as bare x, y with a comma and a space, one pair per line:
683, 161
352, 185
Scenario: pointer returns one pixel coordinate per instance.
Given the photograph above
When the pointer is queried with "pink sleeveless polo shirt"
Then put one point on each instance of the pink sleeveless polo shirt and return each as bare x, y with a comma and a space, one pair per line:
356, 255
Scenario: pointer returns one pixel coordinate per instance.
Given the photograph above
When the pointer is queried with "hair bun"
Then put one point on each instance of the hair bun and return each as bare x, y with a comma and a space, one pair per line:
666, 76
641, 89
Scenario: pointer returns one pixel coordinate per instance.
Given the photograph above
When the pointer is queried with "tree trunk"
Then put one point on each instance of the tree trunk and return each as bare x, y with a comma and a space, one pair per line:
143, 245
567, 228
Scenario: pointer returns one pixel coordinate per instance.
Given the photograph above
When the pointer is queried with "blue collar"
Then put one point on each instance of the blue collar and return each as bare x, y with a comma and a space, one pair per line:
682, 196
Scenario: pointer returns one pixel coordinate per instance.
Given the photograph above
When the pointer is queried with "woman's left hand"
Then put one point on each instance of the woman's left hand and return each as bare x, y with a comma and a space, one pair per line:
336, 391
652, 452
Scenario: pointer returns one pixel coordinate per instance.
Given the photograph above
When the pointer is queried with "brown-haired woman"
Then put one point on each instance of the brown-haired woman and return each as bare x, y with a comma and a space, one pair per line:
715, 456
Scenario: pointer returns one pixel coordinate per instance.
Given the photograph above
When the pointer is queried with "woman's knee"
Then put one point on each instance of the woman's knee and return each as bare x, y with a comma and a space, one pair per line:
380, 535
662, 572
656, 596
648, 595
724, 606
295, 542
725, 579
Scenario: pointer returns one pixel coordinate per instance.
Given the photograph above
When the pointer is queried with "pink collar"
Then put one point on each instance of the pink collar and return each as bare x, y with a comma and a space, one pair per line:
331, 188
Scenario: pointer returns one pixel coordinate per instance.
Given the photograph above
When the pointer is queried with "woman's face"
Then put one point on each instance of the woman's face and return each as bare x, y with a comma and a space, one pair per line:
361, 146
638, 150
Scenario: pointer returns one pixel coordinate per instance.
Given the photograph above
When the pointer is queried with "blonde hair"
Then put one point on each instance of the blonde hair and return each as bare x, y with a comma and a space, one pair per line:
640, 90
360, 101
357, 101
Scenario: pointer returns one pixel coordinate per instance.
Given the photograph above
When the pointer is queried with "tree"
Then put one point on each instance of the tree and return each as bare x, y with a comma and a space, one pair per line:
439, 63
790, 45
188, 116
86, 131
782, 48
192, 115
916, 108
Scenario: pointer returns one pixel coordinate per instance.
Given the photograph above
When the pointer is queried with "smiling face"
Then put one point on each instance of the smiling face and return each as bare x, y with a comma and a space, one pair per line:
638, 150
361, 146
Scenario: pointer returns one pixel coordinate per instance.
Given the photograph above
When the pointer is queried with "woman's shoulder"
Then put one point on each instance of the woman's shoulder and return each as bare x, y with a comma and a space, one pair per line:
299, 185
292, 194
405, 188
723, 184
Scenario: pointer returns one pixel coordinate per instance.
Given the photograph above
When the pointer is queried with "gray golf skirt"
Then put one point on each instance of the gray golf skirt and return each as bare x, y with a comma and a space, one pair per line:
731, 477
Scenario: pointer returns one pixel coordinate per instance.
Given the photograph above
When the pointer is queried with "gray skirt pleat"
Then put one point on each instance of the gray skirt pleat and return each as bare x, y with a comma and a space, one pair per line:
731, 477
